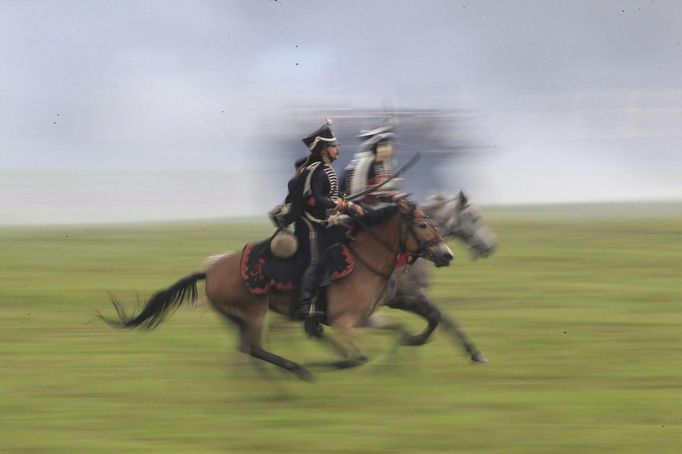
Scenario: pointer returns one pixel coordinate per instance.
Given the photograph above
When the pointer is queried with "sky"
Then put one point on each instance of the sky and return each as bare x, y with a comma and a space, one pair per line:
136, 110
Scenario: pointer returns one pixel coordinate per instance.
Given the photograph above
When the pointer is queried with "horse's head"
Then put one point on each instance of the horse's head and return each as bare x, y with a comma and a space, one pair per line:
421, 237
458, 218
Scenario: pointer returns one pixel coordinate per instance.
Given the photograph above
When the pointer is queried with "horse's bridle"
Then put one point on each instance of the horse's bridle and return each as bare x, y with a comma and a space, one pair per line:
407, 229
422, 246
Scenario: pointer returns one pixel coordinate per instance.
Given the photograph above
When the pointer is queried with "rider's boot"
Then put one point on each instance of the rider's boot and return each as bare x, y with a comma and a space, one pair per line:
306, 309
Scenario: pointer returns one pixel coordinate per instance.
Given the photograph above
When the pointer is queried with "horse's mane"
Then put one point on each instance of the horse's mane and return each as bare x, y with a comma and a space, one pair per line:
442, 210
388, 206
376, 215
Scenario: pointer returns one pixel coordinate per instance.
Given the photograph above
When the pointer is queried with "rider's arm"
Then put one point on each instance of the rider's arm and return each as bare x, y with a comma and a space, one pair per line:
316, 186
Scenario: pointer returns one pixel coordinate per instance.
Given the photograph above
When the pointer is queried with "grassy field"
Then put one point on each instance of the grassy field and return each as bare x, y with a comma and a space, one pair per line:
581, 319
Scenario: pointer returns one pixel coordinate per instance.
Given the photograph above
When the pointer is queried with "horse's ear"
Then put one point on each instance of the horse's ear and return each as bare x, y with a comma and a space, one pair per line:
462, 198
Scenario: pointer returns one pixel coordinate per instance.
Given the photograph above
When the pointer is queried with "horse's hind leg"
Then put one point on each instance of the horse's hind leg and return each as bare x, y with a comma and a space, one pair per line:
250, 336
300, 371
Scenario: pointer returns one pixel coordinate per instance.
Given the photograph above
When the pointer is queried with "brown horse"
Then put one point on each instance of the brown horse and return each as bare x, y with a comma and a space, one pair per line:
350, 300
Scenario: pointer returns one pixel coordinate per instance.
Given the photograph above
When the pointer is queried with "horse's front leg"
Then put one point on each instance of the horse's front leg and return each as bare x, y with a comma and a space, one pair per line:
344, 344
427, 309
421, 306
452, 328
353, 356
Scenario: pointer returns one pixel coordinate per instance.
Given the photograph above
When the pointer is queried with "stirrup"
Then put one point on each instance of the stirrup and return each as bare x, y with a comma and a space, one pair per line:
314, 313
306, 310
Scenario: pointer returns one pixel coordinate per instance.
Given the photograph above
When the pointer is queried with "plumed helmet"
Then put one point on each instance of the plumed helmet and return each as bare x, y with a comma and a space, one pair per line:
369, 133
321, 138
374, 136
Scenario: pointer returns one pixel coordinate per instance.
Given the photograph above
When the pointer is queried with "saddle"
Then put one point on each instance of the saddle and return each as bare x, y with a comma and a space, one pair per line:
262, 272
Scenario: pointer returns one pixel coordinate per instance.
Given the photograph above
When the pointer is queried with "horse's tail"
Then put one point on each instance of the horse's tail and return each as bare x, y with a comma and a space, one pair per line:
158, 305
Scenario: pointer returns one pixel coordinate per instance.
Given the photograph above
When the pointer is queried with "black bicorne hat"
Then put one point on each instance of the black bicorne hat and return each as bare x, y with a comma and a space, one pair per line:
321, 138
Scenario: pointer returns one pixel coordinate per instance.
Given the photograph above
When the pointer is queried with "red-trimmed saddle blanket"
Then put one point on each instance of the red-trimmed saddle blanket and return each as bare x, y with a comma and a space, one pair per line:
262, 271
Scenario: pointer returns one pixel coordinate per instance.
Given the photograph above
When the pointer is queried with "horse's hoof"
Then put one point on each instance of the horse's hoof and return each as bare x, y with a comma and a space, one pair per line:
412, 341
304, 374
479, 358
350, 362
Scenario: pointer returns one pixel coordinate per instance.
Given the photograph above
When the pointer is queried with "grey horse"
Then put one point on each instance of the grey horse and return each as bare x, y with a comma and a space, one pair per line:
455, 218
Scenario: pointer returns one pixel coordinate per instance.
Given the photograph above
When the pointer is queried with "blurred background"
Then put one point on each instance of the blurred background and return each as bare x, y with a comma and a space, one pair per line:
562, 118
155, 110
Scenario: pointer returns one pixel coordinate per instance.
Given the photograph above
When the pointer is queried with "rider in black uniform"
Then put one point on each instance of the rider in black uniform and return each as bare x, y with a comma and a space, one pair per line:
316, 194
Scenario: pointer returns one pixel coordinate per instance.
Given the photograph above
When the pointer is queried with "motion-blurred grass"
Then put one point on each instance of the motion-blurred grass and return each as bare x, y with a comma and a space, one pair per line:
580, 318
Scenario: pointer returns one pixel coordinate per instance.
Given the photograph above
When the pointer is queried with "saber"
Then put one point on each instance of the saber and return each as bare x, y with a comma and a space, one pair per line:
400, 171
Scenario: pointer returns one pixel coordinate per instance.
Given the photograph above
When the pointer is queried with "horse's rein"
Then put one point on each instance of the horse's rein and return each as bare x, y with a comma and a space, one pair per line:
406, 229
381, 241
367, 265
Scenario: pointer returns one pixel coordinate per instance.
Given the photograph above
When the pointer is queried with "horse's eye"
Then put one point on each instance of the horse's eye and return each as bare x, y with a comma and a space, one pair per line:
422, 225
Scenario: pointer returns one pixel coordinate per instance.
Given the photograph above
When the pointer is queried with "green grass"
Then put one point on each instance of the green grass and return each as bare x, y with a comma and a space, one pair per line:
581, 320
